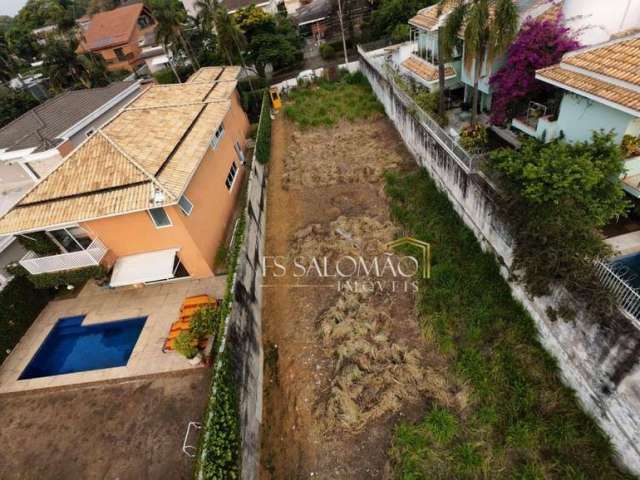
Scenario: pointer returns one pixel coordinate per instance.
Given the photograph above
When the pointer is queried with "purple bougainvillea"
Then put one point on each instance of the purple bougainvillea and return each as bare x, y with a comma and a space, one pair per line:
539, 44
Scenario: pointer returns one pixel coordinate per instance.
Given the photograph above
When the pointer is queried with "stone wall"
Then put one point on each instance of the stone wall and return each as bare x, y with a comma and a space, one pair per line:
600, 362
245, 326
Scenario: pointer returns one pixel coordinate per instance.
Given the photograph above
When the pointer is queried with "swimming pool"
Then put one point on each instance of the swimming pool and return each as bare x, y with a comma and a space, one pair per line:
72, 347
628, 267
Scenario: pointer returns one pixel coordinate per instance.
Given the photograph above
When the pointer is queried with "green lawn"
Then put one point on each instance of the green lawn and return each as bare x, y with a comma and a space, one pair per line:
522, 423
326, 103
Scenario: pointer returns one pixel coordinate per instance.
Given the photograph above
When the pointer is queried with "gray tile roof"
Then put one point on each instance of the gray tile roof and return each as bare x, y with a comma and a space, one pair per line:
39, 127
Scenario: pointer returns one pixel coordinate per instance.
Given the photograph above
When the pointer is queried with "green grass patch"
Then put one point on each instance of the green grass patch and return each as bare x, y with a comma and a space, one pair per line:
325, 103
522, 422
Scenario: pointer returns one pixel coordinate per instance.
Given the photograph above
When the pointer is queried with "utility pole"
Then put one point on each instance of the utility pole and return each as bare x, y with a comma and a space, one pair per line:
344, 42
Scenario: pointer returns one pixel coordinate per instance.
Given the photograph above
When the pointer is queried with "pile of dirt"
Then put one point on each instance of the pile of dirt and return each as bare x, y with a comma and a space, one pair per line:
326, 156
374, 372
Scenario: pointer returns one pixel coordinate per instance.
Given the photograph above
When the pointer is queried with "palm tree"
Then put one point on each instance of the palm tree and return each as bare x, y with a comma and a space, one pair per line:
231, 41
171, 16
488, 26
206, 14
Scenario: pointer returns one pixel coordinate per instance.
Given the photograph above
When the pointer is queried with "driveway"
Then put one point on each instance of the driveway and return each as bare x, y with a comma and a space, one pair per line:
128, 430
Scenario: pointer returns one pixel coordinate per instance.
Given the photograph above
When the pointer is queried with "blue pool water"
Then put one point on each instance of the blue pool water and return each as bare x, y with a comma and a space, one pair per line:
629, 268
71, 347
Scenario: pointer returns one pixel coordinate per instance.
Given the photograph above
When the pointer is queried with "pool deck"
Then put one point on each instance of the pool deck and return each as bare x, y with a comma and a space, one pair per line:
160, 303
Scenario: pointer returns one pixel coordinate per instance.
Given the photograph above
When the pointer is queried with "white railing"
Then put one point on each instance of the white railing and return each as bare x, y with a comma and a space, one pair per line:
92, 256
627, 297
459, 154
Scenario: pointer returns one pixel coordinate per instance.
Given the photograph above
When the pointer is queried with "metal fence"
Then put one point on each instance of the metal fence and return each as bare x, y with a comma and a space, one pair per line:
377, 62
616, 280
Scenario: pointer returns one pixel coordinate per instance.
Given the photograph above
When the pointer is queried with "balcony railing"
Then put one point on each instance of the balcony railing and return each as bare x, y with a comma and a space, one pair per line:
89, 257
381, 67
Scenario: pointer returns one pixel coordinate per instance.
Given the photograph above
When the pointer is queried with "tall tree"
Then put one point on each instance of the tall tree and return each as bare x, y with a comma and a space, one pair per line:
488, 26
8, 63
389, 14
97, 6
13, 104
66, 69
231, 41
272, 39
202, 39
171, 17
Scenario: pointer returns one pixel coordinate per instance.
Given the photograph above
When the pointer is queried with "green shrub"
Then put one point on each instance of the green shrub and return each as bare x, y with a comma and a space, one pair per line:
203, 322
630, 146
222, 446
327, 52
263, 142
20, 304
39, 242
186, 344
167, 76
222, 458
474, 137
76, 277
221, 256
401, 33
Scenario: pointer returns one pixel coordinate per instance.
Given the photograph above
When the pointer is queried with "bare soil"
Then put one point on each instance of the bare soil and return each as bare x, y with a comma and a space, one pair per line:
127, 430
341, 367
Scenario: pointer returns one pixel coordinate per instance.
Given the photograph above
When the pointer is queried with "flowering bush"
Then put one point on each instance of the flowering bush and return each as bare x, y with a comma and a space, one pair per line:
630, 146
474, 138
539, 44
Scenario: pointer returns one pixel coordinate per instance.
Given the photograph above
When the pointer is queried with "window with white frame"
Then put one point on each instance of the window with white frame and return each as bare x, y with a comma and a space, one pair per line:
217, 136
232, 176
185, 205
89, 132
159, 217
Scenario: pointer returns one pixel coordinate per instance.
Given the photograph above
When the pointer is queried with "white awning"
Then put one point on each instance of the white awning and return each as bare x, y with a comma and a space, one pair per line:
144, 267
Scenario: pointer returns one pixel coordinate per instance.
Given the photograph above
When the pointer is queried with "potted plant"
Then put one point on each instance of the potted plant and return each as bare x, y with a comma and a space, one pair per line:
186, 345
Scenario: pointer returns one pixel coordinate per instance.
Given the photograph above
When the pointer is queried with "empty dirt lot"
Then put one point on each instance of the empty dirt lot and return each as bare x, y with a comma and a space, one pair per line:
131, 430
341, 367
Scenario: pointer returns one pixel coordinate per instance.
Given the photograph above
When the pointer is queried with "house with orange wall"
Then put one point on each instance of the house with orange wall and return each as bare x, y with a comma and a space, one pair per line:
119, 36
151, 194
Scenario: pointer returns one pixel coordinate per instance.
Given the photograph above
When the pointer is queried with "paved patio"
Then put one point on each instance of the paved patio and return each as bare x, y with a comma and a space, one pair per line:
160, 303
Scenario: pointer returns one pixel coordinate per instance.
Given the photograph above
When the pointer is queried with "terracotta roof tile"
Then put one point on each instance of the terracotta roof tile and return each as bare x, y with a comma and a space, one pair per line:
425, 70
114, 27
427, 18
607, 91
619, 60
153, 143
160, 129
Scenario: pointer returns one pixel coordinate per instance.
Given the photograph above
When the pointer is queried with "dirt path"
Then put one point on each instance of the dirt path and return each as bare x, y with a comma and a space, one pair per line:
125, 430
341, 368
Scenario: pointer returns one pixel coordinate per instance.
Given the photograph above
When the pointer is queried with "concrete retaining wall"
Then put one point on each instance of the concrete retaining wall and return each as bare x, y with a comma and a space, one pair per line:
600, 362
245, 326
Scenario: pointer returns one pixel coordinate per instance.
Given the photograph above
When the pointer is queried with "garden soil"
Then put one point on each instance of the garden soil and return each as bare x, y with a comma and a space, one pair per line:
342, 365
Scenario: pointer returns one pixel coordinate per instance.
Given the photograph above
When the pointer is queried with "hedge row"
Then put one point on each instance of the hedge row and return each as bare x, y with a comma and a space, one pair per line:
76, 277
263, 140
20, 304
219, 453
